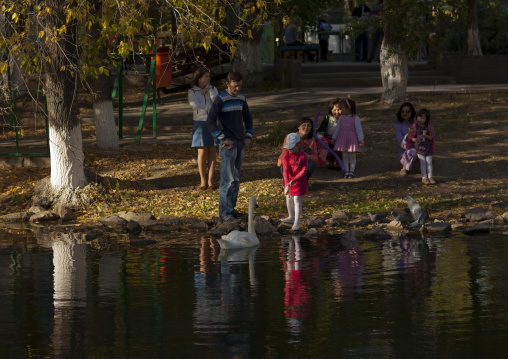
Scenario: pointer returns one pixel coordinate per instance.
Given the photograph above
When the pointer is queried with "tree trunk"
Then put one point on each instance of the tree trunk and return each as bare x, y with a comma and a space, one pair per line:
60, 86
69, 298
394, 72
248, 61
100, 90
17, 82
105, 125
473, 35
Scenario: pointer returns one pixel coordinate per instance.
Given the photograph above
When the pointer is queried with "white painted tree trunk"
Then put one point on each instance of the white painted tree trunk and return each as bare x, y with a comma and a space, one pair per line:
394, 74
66, 147
248, 61
69, 277
105, 126
473, 43
473, 35
69, 298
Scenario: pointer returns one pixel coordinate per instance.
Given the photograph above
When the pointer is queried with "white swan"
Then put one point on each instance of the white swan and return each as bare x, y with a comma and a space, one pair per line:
239, 239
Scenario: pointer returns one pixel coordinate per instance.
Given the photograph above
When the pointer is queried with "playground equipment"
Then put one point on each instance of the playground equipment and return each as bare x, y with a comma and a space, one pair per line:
14, 123
165, 67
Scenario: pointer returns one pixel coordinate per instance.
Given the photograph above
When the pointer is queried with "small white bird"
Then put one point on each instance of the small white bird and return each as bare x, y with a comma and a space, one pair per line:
240, 239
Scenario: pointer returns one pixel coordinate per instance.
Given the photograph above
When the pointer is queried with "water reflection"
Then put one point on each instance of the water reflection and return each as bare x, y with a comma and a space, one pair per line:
339, 296
296, 289
225, 306
347, 275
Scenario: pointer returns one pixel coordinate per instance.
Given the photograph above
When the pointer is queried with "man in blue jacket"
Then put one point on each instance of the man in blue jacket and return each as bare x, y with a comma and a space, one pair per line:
230, 121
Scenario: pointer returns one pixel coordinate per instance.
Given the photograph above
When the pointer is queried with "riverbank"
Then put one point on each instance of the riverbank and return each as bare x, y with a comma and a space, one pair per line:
160, 177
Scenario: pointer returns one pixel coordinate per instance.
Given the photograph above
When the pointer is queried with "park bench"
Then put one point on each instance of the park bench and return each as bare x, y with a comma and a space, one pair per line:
296, 49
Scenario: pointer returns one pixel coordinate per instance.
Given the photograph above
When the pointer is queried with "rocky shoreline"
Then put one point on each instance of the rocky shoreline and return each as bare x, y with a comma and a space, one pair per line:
478, 220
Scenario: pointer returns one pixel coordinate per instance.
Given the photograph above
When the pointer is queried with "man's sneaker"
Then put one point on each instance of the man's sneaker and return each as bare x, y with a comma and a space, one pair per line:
296, 227
425, 180
403, 171
287, 220
229, 219
346, 174
240, 215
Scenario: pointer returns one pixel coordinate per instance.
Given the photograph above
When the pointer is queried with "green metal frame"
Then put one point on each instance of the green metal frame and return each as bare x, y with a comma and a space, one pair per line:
151, 84
15, 124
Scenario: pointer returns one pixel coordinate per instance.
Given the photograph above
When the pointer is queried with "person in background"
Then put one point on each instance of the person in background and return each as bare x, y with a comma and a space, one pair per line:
348, 136
406, 117
424, 141
324, 25
291, 35
201, 96
230, 121
377, 36
362, 40
325, 133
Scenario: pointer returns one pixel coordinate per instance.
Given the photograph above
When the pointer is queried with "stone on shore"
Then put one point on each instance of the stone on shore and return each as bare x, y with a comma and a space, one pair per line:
114, 221
44, 216
16, 217
65, 213
478, 214
312, 232
200, 226
315, 222
341, 215
143, 219
263, 226
36, 209
134, 227
439, 227
361, 222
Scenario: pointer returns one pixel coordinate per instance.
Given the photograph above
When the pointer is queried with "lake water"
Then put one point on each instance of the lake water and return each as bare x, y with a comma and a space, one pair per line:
291, 297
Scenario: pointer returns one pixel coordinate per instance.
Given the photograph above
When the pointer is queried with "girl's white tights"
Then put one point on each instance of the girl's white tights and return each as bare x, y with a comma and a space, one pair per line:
425, 165
294, 205
349, 161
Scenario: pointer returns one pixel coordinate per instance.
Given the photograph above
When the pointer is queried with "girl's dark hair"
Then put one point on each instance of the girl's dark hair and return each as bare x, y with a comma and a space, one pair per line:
300, 122
411, 107
199, 73
348, 103
426, 113
332, 104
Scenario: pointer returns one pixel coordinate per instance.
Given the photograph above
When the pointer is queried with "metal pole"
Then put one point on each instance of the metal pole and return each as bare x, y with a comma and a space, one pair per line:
145, 99
120, 101
154, 82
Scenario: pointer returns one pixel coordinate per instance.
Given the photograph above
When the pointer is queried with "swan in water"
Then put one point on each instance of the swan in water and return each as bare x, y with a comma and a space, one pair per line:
240, 239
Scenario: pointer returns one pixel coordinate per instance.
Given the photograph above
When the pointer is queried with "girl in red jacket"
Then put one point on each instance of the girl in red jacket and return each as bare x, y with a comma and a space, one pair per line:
294, 163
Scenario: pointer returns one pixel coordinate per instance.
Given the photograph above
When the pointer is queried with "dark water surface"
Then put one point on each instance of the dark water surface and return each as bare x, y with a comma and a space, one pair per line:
330, 297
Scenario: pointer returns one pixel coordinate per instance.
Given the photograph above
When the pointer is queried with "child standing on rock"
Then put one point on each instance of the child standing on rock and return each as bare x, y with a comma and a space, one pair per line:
348, 136
294, 163
423, 140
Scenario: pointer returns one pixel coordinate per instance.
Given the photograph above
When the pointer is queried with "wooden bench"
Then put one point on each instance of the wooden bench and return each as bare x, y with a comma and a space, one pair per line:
283, 49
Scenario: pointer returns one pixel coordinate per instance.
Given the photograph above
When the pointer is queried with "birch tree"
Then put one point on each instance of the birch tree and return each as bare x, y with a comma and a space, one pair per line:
66, 42
473, 34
